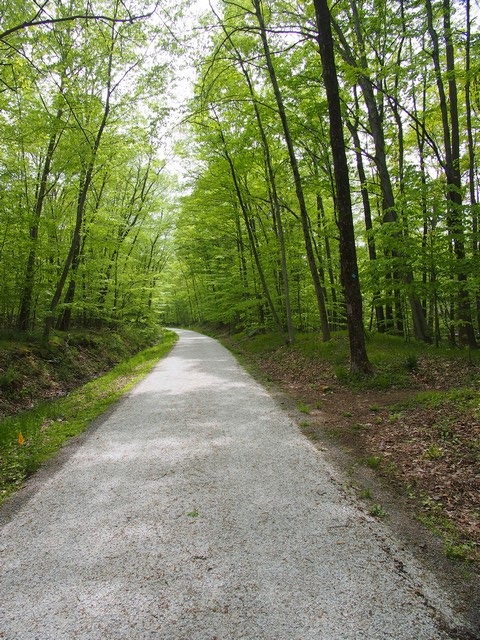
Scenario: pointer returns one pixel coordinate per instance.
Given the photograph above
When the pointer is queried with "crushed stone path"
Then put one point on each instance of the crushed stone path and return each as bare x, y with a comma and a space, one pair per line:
196, 510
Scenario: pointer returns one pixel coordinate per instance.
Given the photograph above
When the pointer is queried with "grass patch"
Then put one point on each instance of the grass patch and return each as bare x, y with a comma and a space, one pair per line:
373, 462
366, 494
463, 398
32, 437
434, 452
455, 544
303, 407
377, 511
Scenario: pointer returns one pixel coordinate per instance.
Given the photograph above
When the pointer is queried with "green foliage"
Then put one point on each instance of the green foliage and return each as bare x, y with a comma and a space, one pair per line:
9, 378
462, 398
303, 407
463, 551
454, 542
224, 252
434, 452
377, 511
373, 462
366, 494
411, 362
408, 258
81, 191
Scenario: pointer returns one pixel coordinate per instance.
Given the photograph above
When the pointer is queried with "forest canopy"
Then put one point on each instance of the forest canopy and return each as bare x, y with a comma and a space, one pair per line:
262, 229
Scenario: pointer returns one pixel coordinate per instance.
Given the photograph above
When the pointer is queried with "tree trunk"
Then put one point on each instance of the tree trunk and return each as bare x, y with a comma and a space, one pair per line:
471, 155
367, 213
25, 312
296, 175
359, 362
328, 256
388, 200
451, 138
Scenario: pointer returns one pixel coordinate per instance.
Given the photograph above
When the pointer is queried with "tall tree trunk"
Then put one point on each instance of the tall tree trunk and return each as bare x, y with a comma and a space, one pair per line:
389, 210
253, 245
328, 256
296, 174
367, 213
358, 355
241, 254
471, 154
451, 138
24, 315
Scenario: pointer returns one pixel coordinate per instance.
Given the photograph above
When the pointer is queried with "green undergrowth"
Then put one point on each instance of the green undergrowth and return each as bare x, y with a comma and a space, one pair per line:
32, 369
33, 436
465, 398
396, 362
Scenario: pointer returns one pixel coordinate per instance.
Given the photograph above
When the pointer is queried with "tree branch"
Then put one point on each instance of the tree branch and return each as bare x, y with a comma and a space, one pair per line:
35, 22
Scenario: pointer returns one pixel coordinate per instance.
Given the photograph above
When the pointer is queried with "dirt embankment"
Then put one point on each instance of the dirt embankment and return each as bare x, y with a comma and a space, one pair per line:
32, 372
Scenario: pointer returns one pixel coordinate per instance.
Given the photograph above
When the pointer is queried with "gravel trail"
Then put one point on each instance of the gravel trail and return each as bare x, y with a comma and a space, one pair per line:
196, 510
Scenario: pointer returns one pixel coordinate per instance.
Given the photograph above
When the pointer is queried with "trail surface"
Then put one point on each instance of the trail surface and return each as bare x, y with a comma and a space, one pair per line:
195, 510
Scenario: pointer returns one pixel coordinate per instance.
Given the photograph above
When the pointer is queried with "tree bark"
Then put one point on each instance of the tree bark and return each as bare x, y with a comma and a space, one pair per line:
389, 211
359, 362
296, 175
23, 321
471, 153
367, 214
451, 166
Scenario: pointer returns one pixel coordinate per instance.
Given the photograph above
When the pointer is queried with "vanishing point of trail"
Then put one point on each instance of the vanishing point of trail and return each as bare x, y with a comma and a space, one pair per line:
196, 510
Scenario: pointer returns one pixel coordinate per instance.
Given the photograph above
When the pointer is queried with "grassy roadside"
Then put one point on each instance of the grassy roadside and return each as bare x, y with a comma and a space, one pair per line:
33, 436
415, 423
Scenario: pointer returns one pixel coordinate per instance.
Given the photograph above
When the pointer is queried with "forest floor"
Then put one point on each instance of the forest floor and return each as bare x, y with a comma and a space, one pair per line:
421, 438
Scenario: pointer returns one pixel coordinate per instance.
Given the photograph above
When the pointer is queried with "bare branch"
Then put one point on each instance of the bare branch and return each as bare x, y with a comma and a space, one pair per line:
35, 22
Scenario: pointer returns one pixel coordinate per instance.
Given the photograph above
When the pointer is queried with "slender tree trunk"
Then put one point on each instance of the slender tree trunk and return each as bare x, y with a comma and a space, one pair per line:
248, 225
25, 312
471, 154
328, 256
389, 211
358, 355
451, 136
296, 174
277, 219
367, 213
241, 256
